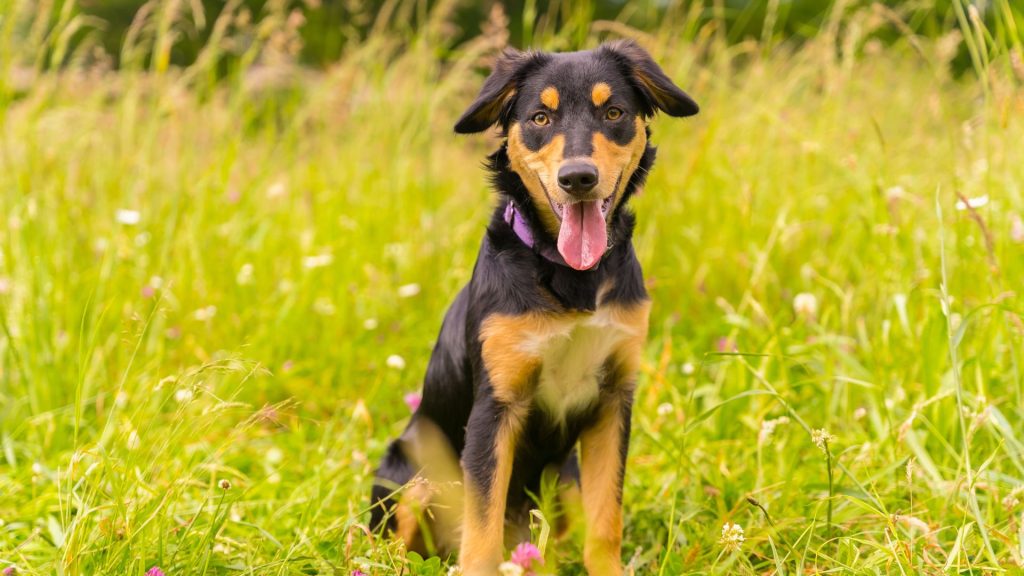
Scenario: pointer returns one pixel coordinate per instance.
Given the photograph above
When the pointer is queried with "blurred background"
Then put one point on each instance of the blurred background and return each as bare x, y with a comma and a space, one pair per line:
229, 232
326, 29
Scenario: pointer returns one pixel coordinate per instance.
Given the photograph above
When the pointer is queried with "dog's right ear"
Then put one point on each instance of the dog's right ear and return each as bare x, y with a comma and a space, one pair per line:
494, 102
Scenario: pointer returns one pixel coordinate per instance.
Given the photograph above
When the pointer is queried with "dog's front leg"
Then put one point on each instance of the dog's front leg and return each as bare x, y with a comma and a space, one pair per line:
491, 437
603, 448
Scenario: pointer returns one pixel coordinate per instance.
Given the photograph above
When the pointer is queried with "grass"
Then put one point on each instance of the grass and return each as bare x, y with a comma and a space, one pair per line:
203, 277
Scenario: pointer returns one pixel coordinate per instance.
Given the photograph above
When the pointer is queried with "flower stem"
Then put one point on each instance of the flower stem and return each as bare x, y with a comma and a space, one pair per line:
828, 459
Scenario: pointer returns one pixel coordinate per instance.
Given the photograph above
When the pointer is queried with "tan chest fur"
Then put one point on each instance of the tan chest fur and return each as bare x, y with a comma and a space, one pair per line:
557, 360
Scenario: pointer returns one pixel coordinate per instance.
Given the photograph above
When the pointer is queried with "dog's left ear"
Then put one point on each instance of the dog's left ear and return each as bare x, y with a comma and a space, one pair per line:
499, 90
650, 80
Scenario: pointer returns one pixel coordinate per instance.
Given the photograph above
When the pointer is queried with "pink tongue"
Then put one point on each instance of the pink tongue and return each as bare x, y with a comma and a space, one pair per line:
582, 238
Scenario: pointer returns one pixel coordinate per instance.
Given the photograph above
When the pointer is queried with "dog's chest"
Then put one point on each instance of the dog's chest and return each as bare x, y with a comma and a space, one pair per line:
573, 359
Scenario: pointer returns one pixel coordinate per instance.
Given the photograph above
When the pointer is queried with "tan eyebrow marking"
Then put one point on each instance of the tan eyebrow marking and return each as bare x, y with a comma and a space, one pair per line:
600, 94
549, 97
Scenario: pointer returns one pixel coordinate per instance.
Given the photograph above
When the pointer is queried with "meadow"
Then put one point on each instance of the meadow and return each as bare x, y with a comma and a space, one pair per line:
220, 283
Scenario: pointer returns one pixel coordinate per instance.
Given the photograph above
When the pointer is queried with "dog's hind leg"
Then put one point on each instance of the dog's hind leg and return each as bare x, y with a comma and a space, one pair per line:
415, 494
394, 473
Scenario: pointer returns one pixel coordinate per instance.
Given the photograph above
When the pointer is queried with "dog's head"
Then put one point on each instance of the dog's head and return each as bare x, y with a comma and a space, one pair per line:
576, 130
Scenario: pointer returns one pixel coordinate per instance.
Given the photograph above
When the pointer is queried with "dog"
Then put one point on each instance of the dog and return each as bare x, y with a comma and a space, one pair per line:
539, 353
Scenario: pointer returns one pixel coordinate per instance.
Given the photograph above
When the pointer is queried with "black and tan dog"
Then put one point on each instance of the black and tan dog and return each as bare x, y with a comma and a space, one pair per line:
541, 349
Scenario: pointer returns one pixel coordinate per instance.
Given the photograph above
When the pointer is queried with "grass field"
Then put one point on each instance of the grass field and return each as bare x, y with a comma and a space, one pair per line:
216, 289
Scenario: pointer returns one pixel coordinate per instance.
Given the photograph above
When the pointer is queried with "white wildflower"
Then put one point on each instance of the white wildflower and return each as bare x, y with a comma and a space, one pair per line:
133, 441
895, 193
665, 409
276, 190
370, 324
323, 306
689, 369
395, 361
183, 395
206, 313
822, 438
732, 537
409, 290
128, 217
510, 569
244, 276
768, 428
955, 320
805, 305
317, 261
976, 202
274, 455
860, 413
900, 301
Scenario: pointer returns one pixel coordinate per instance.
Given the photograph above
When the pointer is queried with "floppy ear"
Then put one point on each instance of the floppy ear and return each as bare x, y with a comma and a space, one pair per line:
648, 77
497, 94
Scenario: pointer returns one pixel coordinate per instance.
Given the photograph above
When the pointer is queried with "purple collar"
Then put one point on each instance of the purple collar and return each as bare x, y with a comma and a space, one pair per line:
522, 229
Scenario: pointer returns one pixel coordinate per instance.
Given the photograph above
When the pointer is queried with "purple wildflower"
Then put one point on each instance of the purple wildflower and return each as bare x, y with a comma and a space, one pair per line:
358, 572
412, 400
524, 555
10, 571
724, 344
155, 571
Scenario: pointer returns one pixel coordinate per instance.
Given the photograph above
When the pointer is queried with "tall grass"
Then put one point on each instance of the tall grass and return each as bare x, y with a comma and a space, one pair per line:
235, 272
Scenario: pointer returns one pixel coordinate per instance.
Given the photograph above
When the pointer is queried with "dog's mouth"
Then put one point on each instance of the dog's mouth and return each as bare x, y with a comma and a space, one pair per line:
559, 208
583, 232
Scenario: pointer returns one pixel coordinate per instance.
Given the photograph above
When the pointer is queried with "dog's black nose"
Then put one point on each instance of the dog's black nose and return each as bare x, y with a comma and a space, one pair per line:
577, 177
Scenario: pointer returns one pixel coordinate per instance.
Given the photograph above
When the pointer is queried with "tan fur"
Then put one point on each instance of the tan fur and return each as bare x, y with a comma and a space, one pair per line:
494, 107
613, 159
549, 97
600, 470
506, 352
483, 528
652, 87
630, 352
601, 465
429, 509
600, 94
409, 514
539, 171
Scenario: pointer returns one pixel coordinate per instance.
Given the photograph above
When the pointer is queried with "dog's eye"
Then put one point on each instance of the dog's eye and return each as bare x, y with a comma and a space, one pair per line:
613, 114
541, 119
